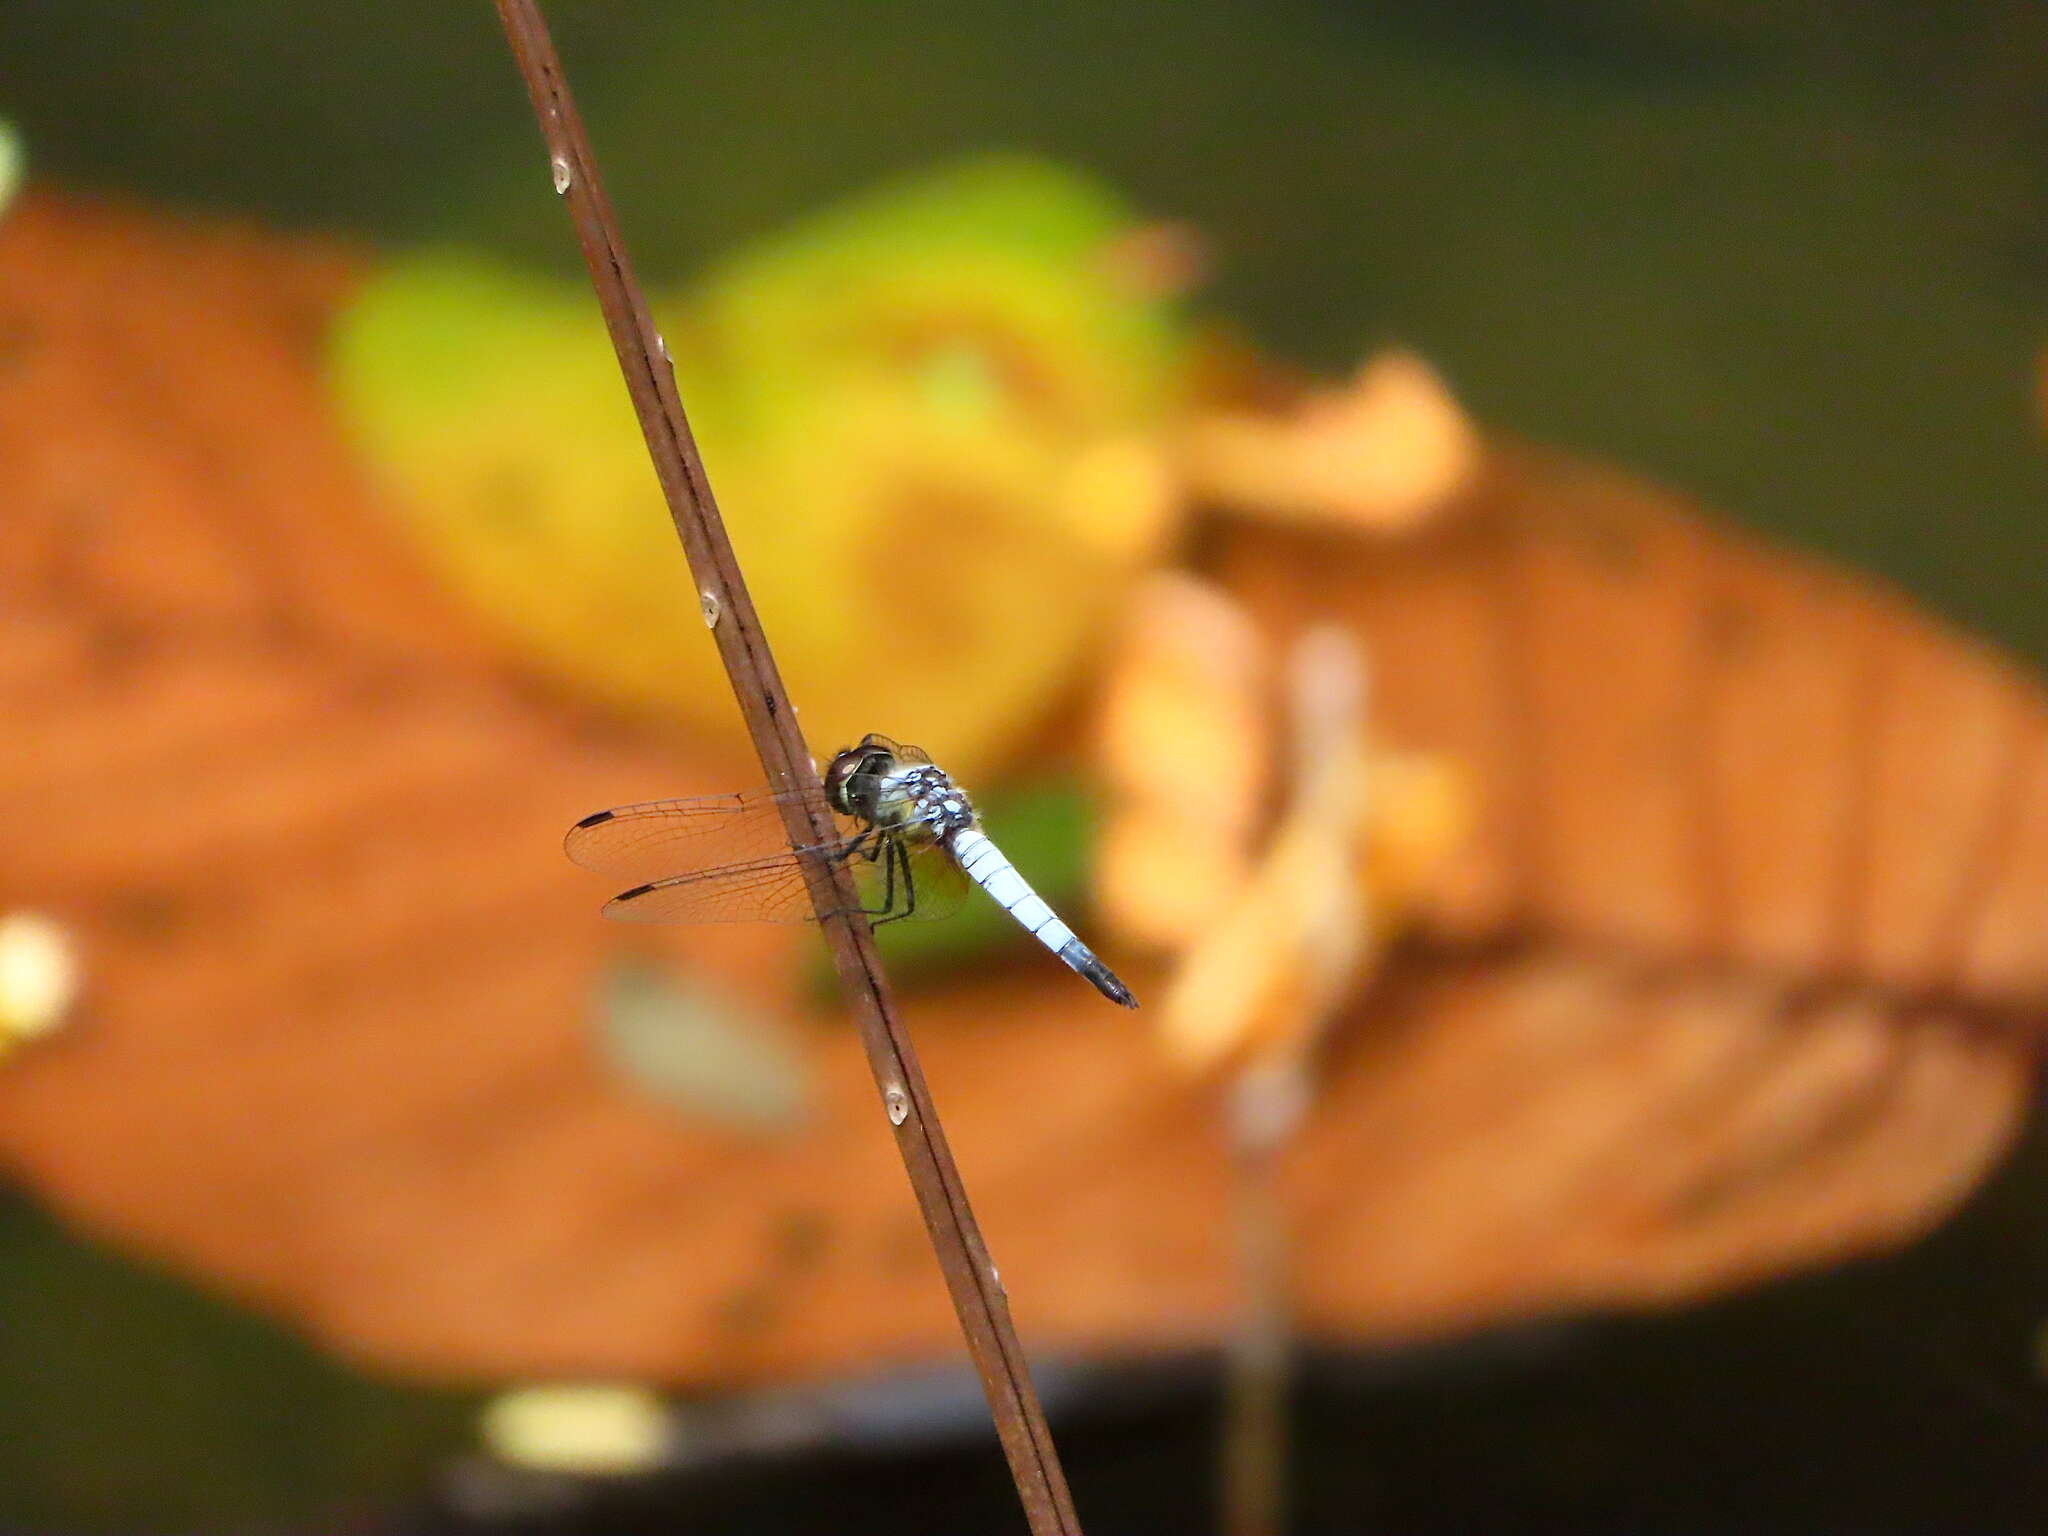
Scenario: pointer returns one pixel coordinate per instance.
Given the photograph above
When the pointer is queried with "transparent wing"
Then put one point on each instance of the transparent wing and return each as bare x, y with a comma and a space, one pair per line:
903, 752
920, 886
937, 887
726, 858
660, 838
765, 890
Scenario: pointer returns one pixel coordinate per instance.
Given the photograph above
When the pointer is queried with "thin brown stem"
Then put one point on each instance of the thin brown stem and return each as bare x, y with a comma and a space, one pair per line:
1262, 1116
1256, 1363
977, 1293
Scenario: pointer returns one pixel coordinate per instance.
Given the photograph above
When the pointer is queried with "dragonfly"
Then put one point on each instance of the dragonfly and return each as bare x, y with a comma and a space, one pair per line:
909, 834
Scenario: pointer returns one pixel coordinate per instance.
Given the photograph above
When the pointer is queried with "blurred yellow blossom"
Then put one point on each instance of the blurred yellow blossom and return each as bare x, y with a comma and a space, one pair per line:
1292, 938
1182, 758
1267, 942
933, 419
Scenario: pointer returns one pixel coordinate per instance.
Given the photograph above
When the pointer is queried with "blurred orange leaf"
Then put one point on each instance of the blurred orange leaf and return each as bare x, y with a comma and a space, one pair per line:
1732, 977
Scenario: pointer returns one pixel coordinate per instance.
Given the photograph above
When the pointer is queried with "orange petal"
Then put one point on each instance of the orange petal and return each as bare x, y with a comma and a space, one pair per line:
1184, 751
1380, 455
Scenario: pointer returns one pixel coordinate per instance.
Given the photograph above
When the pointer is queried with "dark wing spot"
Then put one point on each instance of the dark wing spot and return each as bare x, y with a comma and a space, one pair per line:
638, 890
593, 820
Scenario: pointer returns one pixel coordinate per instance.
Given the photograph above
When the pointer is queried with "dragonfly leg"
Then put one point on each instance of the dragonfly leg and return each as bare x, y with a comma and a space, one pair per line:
909, 885
886, 851
874, 845
899, 860
870, 846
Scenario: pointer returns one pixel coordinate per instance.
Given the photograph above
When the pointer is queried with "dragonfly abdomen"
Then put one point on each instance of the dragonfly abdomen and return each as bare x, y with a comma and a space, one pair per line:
990, 868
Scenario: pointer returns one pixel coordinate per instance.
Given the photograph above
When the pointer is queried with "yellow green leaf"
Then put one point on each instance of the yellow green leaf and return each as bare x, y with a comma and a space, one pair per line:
932, 417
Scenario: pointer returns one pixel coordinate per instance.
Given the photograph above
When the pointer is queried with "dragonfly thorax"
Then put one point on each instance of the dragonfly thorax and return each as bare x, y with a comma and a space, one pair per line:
875, 785
924, 798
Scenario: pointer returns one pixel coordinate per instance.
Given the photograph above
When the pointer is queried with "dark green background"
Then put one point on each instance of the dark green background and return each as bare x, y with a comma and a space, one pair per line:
1789, 256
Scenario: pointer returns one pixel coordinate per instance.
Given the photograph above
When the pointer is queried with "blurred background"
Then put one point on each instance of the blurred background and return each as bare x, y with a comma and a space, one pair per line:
1026, 347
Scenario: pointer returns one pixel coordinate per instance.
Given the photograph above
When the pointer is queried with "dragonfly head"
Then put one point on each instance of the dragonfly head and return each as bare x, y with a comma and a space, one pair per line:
853, 783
